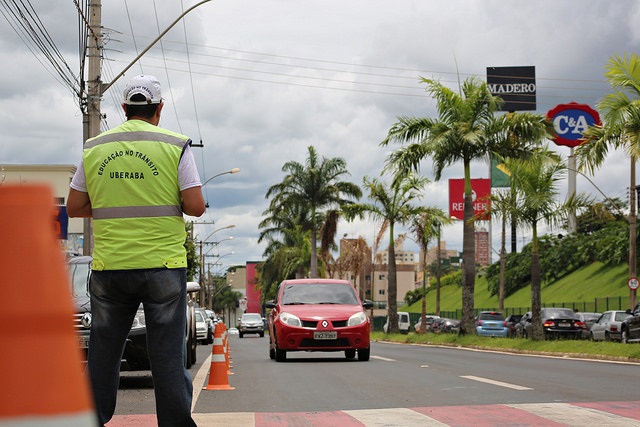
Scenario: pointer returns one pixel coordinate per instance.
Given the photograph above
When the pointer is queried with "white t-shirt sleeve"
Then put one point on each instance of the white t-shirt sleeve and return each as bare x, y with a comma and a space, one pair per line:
79, 181
188, 176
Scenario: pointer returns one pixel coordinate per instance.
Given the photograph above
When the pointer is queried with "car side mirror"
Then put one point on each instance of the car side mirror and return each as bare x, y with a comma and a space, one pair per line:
367, 303
270, 304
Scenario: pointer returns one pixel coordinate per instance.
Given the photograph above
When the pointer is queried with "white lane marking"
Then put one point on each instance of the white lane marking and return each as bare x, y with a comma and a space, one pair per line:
383, 358
393, 417
498, 383
576, 416
198, 381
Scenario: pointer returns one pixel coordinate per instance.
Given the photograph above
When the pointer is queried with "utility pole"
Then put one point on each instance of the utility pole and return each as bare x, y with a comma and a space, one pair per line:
95, 87
91, 116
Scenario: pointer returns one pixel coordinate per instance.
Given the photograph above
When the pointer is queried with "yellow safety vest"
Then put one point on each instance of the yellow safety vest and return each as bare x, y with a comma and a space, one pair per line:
132, 182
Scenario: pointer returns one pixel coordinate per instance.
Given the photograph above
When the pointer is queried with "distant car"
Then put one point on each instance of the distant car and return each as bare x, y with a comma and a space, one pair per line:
630, 327
251, 323
608, 326
203, 330
318, 315
445, 325
491, 324
512, 321
557, 322
404, 324
135, 356
429, 319
588, 319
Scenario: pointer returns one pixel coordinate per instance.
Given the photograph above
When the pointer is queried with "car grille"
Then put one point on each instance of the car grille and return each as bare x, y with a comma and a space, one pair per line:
310, 343
314, 323
77, 322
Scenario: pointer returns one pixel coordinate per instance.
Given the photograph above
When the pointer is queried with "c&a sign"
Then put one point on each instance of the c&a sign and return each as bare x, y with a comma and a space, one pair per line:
481, 188
570, 121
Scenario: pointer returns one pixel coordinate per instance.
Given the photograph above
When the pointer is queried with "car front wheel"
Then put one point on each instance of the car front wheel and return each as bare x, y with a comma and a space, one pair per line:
363, 354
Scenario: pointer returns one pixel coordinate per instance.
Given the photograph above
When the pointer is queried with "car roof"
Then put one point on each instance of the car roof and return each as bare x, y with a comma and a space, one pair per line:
314, 281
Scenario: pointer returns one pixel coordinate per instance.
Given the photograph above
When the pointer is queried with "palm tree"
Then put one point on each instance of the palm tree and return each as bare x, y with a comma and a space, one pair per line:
393, 204
313, 187
620, 129
425, 226
466, 131
535, 183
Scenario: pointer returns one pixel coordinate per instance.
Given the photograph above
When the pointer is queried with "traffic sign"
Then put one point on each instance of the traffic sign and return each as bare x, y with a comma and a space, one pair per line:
633, 283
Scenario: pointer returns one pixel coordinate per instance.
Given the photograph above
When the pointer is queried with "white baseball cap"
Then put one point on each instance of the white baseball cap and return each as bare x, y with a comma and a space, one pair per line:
146, 85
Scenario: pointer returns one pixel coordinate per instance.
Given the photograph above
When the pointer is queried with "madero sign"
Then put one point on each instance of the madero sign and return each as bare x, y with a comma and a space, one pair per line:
570, 121
515, 85
481, 192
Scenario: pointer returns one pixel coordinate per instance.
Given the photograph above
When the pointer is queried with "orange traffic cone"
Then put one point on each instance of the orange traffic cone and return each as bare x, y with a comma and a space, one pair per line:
218, 379
44, 356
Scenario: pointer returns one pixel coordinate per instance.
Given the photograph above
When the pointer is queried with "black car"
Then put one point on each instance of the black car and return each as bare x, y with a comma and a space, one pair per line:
511, 321
630, 327
557, 322
135, 355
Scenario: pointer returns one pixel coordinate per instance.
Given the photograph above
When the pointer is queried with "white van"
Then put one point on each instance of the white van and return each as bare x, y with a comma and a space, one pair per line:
404, 325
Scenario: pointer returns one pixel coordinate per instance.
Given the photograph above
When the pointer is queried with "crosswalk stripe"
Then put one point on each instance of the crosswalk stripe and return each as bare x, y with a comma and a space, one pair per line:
576, 416
393, 417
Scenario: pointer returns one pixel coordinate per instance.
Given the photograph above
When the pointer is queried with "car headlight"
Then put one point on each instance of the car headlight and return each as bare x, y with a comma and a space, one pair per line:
357, 319
138, 320
290, 319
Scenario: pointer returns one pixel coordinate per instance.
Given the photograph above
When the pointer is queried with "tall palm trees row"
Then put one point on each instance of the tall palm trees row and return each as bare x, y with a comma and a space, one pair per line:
307, 204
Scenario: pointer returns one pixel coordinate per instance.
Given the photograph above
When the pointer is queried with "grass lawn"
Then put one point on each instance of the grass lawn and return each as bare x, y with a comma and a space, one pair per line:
574, 348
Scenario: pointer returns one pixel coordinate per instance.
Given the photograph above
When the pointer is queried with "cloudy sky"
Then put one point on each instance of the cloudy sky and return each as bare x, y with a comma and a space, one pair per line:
258, 81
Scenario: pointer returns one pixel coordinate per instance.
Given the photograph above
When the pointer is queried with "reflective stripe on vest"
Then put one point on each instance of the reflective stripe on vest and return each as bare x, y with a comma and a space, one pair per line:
135, 136
136, 212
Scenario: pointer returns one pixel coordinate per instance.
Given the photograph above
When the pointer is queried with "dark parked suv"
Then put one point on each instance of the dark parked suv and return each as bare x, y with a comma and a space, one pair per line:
630, 327
135, 351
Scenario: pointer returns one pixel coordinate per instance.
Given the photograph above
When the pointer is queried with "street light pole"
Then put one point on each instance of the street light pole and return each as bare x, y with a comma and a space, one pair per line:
232, 171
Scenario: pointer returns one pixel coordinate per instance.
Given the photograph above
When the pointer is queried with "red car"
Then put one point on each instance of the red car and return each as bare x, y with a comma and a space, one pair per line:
318, 315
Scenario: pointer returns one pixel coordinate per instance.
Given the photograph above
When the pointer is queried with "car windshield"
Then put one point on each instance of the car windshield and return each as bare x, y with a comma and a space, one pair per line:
557, 312
319, 293
249, 317
79, 274
199, 316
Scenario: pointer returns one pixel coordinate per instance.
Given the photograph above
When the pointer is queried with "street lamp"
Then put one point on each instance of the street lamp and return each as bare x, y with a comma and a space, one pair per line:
216, 230
202, 258
234, 170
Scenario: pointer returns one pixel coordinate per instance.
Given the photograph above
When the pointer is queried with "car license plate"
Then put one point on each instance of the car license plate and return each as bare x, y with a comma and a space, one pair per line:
564, 325
325, 335
84, 342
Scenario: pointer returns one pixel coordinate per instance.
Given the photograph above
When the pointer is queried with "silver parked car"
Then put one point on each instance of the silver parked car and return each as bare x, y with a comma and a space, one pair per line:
608, 326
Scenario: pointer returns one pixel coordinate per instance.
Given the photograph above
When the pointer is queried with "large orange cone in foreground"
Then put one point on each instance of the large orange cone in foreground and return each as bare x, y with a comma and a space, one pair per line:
40, 362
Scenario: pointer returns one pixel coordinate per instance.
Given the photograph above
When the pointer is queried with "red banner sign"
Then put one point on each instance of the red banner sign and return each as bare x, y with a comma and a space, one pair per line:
481, 192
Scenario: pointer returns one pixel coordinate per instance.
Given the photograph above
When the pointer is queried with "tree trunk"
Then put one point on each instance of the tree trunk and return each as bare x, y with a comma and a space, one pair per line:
503, 262
392, 281
468, 259
314, 254
536, 298
632, 230
438, 275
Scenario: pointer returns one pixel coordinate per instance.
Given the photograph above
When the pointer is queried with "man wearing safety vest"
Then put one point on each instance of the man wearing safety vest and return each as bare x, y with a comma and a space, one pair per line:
136, 181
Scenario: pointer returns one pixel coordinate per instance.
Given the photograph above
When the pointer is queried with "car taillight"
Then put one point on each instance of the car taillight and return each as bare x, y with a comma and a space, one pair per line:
505, 323
479, 322
548, 324
581, 325
614, 328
